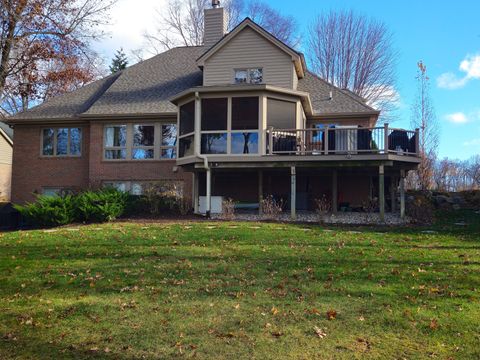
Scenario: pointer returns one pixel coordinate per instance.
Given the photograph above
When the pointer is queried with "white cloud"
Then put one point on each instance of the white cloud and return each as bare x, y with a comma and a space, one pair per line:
450, 81
470, 66
129, 20
473, 142
457, 118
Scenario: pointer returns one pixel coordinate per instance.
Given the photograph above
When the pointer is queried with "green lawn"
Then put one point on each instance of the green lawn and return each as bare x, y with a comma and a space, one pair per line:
241, 290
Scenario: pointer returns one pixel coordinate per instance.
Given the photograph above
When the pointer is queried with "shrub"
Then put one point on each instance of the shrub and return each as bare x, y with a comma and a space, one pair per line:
272, 208
228, 209
89, 206
421, 209
369, 207
472, 198
102, 205
49, 210
322, 207
161, 197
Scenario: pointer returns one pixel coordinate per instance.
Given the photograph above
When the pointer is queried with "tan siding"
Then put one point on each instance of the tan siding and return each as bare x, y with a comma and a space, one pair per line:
246, 50
5, 151
5, 181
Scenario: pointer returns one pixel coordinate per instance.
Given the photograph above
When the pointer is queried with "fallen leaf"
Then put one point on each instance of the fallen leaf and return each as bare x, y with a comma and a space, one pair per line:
320, 333
434, 324
331, 314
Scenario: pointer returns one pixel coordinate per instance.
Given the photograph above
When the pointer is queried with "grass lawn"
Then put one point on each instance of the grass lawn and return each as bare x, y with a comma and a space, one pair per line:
241, 290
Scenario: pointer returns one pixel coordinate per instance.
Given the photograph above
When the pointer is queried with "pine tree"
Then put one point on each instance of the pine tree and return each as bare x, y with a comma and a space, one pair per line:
119, 62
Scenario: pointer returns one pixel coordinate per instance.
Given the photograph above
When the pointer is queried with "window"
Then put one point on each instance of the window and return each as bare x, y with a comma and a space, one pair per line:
143, 142
214, 118
61, 142
168, 148
241, 76
214, 143
249, 76
186, 146
150, 141
244, 117
115, 142
245, 143
55, 191
171, 187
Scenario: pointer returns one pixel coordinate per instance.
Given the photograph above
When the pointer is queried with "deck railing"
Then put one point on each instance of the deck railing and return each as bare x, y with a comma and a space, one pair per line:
342, 140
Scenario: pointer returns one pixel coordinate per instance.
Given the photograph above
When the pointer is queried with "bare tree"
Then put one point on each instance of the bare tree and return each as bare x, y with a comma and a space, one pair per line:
424, 118
473, 171
354, 52
42, 40
182, 23
283, 27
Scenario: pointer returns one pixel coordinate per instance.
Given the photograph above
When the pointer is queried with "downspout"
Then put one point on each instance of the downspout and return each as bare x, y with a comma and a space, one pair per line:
203, 157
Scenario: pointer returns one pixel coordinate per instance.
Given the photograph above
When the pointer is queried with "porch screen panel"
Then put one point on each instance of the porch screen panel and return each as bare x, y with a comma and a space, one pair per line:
245, 113
187, 118
214, 114
281, 114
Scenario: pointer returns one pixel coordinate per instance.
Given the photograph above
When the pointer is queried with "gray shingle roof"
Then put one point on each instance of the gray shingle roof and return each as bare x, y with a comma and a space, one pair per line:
68, 106
342, 101
146, 88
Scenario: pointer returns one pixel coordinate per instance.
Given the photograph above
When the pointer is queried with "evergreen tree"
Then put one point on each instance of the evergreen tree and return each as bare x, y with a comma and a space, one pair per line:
119, 62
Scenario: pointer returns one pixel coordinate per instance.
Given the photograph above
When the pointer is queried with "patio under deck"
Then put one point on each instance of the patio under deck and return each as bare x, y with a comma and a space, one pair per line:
348, 186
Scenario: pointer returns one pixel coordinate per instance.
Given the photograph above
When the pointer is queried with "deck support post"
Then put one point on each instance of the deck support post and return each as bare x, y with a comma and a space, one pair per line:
381, 191
393, 194
208, 197
293, 193
195, 192
334, 191
260, 192
402, 194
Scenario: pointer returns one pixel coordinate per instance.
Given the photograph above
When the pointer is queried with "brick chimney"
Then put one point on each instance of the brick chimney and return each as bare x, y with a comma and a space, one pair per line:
215, 24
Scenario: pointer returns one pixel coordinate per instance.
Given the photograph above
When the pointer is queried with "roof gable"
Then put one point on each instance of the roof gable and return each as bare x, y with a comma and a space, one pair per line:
296, 57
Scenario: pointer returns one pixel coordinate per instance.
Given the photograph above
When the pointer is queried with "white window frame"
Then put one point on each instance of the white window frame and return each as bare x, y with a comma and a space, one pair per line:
142, 147
115, 148
248, 80
167, 147
129, 146
55, 131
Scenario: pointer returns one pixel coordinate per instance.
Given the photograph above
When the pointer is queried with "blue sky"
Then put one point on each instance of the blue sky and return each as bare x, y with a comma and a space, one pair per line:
444, 34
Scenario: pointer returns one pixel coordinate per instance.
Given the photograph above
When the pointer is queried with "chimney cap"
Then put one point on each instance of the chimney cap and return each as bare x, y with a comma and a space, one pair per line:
215, 4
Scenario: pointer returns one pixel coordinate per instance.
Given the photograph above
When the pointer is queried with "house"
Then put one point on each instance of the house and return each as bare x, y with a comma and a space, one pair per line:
6, 150
240, 117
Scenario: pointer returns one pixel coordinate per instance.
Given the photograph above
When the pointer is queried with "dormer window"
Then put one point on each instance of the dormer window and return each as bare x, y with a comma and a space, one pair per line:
249, 76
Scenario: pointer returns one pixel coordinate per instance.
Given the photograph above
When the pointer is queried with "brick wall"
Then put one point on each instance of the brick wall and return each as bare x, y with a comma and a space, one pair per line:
101, 170
31, 172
